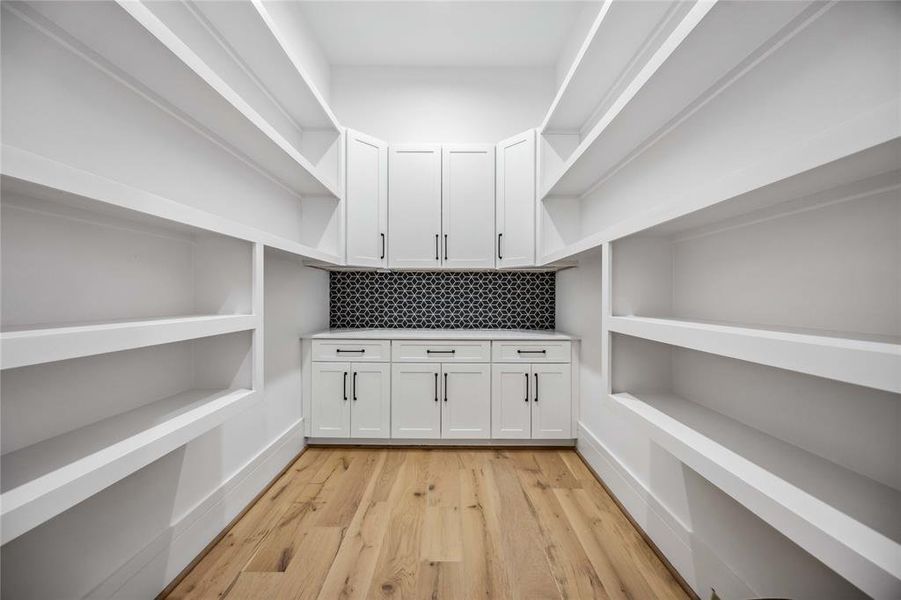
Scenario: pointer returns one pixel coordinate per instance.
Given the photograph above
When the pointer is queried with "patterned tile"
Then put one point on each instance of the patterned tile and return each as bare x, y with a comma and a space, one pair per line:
439, 300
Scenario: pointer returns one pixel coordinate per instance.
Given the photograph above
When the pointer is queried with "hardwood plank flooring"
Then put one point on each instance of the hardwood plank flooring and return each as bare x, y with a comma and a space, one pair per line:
432, 523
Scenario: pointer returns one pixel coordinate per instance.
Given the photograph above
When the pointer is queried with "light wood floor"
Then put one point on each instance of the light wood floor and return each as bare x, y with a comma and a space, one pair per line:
436, 523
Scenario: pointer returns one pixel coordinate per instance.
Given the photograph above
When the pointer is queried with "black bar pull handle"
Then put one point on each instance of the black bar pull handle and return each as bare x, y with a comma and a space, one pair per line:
440, 351
382, 257
436, 246
445, 246
354, 386
531, 351
345, 386
536, 387
527, 386
343, 351
445, 387
436, 387
499, 255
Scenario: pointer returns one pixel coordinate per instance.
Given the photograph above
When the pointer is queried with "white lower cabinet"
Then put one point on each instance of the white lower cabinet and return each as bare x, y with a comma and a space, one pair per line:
437, 400
466, 401
531, 401
351, 400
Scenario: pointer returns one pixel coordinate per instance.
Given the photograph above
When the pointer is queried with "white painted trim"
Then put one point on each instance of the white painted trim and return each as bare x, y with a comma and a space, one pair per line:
672, 537
438, 442
151, 569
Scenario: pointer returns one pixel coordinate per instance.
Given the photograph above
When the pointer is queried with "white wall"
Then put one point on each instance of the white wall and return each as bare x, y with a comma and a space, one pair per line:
301, 44
411, 104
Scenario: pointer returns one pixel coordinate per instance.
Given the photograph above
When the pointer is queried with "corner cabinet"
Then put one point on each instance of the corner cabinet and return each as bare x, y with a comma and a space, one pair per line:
515, 203
366, 198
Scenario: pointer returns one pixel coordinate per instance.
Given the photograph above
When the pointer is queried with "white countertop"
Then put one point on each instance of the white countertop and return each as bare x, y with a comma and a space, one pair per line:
442, 334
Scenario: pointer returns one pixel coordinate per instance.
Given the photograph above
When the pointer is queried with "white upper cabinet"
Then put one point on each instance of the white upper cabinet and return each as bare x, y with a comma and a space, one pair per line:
367, 200
515, 239
414, 207
467, 206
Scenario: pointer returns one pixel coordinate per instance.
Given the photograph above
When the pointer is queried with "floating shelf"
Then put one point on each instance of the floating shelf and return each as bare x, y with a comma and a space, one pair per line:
857, 361
49, 477
36, 175
130, 38
846, 520
32, 346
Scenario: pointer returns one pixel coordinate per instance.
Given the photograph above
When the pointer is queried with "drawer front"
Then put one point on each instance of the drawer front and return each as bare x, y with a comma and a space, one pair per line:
531, 352
351, 350
437, 351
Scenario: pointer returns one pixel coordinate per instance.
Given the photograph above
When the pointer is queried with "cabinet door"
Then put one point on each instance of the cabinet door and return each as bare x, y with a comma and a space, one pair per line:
366, 198
511, 401
414, 205
370, 415
467, 206
515, 236
331, 399
551, 401
415, 406
466, 401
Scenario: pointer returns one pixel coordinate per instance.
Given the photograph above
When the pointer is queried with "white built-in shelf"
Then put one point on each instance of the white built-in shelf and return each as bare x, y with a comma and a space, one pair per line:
42, 480
128, 39
623, 36
21, 347
676, 75
38, 176
849, 522
874, 364
846, 153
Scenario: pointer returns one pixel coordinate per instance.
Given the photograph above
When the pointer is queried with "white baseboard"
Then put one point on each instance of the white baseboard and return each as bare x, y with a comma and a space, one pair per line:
439, 442
696, 562
157, 564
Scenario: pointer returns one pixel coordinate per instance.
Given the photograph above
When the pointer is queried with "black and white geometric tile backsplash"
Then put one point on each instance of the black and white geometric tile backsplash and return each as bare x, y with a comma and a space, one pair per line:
442, 300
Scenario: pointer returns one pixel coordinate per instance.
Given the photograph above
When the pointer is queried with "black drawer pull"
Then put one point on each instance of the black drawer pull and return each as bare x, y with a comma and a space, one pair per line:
527, 386
531, 351
345, 386
440, 351
445, 387
436, 246
499, 255
536, 387
382, 257
353, 386
436, 387
340, 351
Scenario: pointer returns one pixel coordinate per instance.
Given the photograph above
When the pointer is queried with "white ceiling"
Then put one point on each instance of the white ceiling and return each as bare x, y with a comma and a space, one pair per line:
448, 33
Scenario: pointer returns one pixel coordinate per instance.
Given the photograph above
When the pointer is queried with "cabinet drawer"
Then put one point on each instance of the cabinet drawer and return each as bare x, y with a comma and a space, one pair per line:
351, 350
531, 352
438, 351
